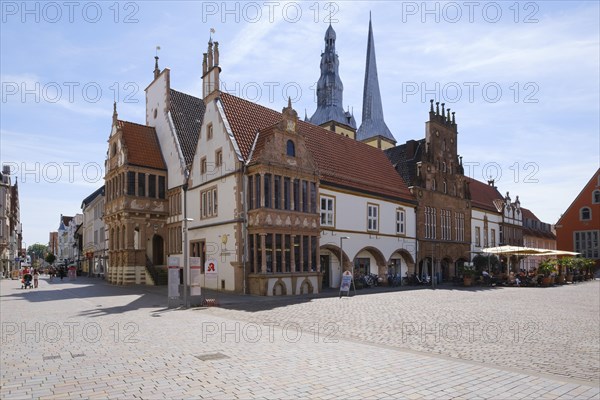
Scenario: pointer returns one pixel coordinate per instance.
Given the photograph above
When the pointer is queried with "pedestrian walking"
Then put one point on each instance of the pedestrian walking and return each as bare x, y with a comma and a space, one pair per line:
36, 277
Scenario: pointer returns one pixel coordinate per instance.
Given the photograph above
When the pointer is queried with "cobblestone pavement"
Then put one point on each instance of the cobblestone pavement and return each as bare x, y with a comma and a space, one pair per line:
86, 339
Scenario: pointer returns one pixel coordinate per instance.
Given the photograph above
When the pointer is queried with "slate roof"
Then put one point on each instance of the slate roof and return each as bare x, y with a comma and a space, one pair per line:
404, 158
341, 161
373, 123
142, 145
187, 113
483, 195
91, 197
532, 226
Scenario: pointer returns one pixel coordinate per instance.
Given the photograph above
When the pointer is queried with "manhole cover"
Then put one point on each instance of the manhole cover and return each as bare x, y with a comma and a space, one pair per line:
54, 357
211, 356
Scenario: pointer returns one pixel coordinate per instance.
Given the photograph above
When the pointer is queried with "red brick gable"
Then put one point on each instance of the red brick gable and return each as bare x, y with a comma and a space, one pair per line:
142, 145
341, 161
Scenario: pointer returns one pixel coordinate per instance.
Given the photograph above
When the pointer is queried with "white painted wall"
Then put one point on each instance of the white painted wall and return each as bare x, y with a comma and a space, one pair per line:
351, 221
224, 254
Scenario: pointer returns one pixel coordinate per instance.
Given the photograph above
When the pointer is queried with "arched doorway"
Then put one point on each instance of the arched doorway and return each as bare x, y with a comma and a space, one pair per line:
445, 267
158, 253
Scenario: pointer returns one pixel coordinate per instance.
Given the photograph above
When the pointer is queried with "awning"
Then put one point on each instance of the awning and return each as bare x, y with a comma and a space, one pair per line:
527, 251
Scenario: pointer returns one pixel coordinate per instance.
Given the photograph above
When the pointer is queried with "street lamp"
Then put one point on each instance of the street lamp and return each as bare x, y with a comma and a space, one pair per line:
186, 277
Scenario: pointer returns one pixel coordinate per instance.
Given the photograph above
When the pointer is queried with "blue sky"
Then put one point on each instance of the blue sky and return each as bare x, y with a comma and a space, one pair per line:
522, 77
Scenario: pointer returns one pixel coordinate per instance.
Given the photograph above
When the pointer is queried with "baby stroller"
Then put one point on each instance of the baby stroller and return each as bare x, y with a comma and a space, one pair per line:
26, 282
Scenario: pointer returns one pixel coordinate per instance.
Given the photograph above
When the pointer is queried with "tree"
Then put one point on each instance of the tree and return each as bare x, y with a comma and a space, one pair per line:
50, 258
37, 250
482, 262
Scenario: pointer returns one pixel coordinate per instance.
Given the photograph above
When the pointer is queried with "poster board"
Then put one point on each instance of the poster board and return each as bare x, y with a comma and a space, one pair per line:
195, 276
173, 277
347, 282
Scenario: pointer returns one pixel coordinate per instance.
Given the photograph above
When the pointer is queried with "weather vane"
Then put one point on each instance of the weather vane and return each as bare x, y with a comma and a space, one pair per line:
157, 49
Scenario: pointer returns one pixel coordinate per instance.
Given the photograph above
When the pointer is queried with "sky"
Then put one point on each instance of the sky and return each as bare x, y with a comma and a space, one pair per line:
522, 77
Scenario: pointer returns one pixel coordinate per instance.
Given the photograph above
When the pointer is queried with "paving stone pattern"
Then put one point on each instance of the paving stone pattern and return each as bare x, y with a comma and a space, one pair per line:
87, 339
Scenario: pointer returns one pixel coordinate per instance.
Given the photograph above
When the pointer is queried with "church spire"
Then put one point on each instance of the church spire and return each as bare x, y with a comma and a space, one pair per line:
372, 124
329, 87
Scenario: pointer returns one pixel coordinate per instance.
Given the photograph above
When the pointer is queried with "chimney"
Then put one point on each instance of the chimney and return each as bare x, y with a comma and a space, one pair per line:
210, 72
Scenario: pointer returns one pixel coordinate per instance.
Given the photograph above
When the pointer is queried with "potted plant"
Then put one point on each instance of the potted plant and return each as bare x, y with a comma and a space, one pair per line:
547, 267
467, 273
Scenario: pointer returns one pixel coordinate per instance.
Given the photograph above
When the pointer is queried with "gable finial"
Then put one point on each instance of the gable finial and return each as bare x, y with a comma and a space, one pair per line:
289, 102
431, 108
156, 69
115, 115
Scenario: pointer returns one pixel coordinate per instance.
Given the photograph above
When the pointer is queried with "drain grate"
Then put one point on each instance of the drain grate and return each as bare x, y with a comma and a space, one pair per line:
53, 357
211, 356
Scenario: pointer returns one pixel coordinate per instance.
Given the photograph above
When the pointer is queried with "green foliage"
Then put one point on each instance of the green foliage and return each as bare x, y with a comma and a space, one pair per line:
50, 258
482, 262
38, 250
548, 266
466, 270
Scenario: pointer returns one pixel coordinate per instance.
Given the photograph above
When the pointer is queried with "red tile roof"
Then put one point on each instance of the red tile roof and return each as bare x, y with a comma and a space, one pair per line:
341, 161
142, 145
483, 195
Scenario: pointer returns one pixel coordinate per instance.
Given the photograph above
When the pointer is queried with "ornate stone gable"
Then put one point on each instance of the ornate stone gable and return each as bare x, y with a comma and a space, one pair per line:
281, 145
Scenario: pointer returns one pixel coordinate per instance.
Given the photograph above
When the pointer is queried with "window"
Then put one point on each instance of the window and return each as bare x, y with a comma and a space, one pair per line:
586, 243
327, 211
209, 132
445, 187
372, 217
446, 224
291, 149
485, 237
493, 237
477, 236
208, 203
219, 158
400, 221
433, 185
444, 166
286, 193
257, 202
151, 185
131, 183
313, 197
362, 266
596, 197
198, 249
585, 214
141, 185
161, 187
250, 193
296, 195
304, 196
203, 165
459, 220
277, 192
267, 190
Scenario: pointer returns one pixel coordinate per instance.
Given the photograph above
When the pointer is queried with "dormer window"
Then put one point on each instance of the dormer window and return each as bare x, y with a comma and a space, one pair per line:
585, 214
291, 149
